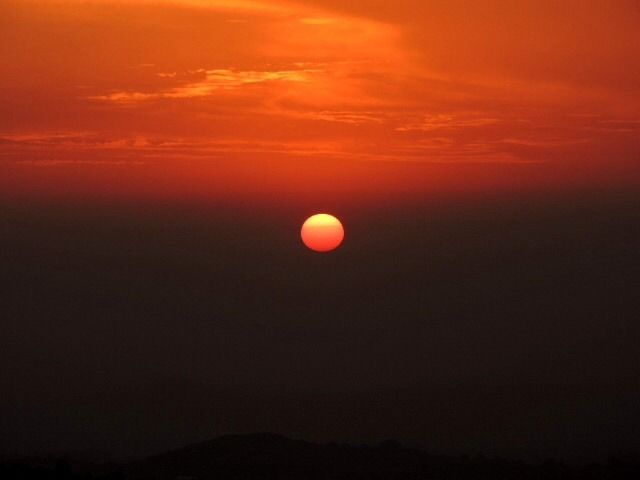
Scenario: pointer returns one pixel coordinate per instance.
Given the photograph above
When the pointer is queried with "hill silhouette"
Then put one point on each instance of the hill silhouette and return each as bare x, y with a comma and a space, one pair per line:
271, 456
268, 456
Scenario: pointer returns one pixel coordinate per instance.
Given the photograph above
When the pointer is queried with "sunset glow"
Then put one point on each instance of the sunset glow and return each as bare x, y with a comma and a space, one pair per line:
238, 97
398, 237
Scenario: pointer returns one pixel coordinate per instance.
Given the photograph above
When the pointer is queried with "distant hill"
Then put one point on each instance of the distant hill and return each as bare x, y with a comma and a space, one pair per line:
267, 456
270, 456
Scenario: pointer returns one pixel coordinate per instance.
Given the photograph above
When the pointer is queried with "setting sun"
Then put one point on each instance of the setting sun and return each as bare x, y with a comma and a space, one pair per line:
322, 232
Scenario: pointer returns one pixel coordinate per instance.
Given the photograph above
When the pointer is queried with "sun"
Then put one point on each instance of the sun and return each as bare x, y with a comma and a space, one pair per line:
322, 232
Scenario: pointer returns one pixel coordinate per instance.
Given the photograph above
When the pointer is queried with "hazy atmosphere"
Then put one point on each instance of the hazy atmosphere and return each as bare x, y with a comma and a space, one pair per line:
157, 162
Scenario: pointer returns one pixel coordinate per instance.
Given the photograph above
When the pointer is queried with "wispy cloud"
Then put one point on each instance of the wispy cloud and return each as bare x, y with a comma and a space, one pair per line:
446, 121
211, 82
263, 6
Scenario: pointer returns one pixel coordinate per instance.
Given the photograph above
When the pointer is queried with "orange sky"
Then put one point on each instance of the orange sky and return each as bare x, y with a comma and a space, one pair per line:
184, 97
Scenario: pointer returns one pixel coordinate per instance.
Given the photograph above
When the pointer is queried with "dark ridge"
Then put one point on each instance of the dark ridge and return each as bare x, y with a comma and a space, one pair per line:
272, 456
267, 456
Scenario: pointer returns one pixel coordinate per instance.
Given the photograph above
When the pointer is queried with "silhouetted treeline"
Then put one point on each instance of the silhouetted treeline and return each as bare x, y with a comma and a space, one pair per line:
274, 457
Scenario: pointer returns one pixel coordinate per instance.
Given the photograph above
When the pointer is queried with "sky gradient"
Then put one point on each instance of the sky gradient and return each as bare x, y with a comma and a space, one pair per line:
157, 162
187, 97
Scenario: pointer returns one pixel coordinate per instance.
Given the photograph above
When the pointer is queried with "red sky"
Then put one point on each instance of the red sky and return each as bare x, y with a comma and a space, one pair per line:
373, 98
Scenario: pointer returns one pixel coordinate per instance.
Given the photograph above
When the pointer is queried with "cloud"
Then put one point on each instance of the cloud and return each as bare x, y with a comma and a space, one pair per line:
223, 5
212, 81
445, 121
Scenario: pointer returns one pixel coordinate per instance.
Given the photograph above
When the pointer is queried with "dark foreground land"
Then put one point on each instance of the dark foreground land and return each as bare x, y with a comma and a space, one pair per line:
269, 456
